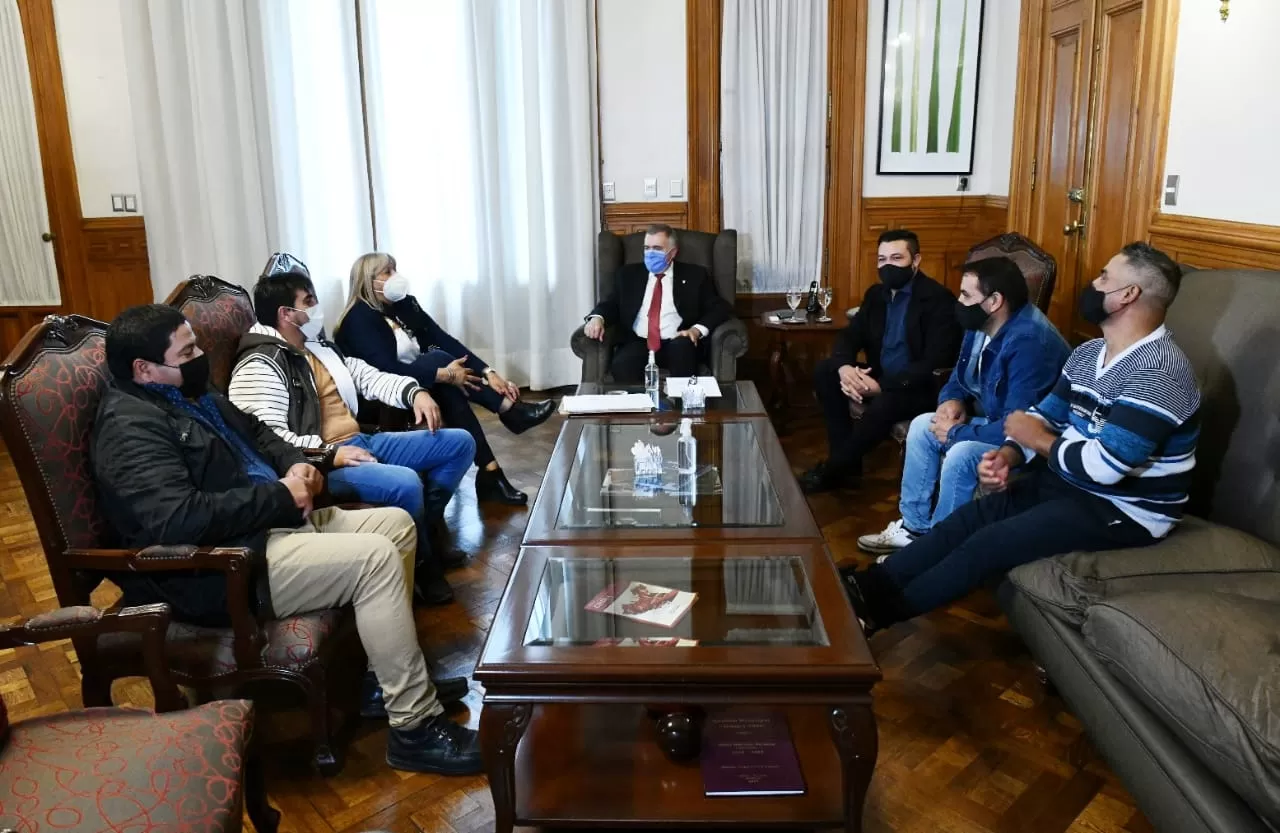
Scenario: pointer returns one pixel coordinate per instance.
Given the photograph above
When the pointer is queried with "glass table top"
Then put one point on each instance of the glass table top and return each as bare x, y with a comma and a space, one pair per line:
734, 398
730, 486
674, 601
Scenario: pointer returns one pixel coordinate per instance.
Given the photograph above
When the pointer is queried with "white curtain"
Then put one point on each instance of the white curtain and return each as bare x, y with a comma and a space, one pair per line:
773, 86
28, 276
482, 131
247, 116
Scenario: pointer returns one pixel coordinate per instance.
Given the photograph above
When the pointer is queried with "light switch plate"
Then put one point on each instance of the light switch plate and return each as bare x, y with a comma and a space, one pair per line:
1171, 189
651, 187
131, 203
609, 192
677, 187
117, 202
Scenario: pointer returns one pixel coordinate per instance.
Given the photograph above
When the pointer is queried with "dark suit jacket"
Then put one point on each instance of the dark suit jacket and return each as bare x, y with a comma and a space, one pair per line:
933, 333
366, 334
695, 297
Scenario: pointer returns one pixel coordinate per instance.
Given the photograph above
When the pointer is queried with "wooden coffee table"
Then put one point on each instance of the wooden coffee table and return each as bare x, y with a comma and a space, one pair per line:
746, 490
569, 726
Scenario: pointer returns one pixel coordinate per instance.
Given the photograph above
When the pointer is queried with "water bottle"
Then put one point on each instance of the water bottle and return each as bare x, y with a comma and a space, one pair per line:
686, 449
651, 379
813, 307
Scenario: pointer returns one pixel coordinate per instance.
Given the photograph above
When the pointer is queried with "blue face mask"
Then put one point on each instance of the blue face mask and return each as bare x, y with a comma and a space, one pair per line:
654, 261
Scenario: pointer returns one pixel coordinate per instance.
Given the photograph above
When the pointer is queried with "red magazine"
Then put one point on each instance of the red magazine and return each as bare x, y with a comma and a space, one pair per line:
643, 602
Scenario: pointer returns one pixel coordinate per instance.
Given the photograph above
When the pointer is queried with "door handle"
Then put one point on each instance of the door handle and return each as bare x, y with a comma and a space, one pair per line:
47, 237
1074, 228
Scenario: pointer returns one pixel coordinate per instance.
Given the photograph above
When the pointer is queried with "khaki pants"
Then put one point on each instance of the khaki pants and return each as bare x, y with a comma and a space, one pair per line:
363, 558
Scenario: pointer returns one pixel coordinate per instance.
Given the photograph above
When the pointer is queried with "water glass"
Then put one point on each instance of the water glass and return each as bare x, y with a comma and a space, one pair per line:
793, 300
824, 301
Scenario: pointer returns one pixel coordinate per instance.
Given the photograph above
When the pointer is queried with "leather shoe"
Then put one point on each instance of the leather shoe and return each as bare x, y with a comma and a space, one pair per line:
449, 691
432, 591
436, 745
822, 478
493, 487
525, 415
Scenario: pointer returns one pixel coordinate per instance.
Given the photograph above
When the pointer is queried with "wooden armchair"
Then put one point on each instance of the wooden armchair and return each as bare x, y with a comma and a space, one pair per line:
50, 386
126, 769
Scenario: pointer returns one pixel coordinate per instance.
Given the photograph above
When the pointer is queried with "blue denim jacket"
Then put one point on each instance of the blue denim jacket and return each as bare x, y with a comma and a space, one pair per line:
1019, 366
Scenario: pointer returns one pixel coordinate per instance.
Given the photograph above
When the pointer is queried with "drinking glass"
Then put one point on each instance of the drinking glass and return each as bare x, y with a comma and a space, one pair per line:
793, 300
824, 301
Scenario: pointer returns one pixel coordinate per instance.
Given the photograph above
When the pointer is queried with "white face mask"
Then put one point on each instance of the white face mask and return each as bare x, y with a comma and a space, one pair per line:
395, 289
315, 322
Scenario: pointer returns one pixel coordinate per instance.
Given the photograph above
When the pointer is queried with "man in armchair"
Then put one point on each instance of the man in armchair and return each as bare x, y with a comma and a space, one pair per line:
175, 463
663, 305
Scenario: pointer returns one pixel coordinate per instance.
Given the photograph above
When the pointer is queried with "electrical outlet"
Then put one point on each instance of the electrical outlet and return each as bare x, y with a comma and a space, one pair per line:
677, 187
1171, 189
117, 202
131, 203
962, 183
609, 192
651, 187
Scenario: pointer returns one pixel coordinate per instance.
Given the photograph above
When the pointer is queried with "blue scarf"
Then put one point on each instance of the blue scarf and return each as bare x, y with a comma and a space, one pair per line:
205, 410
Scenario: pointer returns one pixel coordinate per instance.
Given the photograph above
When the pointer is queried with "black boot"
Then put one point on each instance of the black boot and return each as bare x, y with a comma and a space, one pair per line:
435, 745
876, 599
429, 586
824, 478
449, 691
435, 499
525, 415
493, 487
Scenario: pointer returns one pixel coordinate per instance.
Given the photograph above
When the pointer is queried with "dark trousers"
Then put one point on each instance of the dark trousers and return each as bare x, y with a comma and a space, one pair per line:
1037, 516
848, 439
678, 356
455, 410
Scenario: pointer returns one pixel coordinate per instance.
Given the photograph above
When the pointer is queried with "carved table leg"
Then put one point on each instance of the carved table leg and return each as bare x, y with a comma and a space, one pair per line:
501, 727
853, 728
780, 397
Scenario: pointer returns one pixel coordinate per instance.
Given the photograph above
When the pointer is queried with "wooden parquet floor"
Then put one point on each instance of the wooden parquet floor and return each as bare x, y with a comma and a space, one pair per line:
970, 742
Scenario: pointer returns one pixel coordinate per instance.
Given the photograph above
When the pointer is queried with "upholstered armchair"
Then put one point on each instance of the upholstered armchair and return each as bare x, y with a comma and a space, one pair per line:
127, 769
50, 386
717, 253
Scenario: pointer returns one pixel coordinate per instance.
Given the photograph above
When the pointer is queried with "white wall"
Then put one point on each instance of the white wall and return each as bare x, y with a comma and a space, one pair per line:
1225, 115
993, 137
643, 97
93, 72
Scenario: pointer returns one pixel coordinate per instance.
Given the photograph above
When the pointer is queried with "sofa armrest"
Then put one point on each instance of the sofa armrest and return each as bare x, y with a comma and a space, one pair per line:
594, 354
150, 622
728, 344
234, 561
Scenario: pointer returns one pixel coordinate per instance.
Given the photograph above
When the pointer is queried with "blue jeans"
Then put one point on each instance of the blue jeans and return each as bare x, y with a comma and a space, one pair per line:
927, 460
403, 456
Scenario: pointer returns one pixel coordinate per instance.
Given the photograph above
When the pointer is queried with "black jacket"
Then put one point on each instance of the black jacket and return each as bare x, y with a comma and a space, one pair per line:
164, 478
696, 298
366, 333
933, 333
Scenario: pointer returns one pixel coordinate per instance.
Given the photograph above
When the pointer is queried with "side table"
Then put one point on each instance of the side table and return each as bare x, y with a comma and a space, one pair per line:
807, 329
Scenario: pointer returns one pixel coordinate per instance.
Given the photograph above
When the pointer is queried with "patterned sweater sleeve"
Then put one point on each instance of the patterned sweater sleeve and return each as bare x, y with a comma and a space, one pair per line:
258, 388
387, 388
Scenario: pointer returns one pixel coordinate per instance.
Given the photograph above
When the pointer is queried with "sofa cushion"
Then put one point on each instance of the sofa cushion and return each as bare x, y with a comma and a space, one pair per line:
1208, 664
1196, 553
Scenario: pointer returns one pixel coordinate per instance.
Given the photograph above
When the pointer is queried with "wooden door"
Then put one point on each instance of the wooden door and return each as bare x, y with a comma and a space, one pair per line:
1061, 142
1113, 156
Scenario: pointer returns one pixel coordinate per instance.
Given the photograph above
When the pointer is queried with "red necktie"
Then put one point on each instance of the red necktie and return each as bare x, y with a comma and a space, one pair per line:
655, 314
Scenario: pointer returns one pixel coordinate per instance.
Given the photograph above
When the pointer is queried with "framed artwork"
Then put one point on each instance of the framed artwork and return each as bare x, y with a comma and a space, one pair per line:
929, 86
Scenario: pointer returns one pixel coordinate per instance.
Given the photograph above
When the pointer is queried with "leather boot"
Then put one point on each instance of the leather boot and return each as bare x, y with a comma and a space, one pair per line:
522, 416
435, 499
493, 487
429, 586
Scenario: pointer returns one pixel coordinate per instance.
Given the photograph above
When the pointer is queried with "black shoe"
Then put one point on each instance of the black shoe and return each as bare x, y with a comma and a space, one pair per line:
494, 487
432, 591
449, 691
435, 745
525, 415
822, 478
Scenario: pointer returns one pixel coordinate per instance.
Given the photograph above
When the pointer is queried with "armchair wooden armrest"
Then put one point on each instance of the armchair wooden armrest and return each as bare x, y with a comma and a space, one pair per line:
234, 561
150, 622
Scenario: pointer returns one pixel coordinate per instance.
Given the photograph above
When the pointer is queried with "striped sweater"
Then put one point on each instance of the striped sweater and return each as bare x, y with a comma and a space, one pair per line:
259, 386
1128, 431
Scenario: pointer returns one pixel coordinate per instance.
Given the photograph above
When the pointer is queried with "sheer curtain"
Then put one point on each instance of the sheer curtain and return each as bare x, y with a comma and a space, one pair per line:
773, 86
247, 116
28, 275
481, 138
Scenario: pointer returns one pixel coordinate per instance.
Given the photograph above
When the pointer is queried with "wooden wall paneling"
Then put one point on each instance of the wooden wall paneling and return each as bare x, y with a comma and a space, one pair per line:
1216, 244
704, 20
1151, 132
62, 191
116, 268
1025, 107
846, 82
626, 217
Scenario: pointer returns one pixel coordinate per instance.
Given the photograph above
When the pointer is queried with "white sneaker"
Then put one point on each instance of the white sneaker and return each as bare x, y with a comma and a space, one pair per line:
894, 537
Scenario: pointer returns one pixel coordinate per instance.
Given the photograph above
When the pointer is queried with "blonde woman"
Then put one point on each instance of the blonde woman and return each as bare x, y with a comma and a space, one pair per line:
385, 326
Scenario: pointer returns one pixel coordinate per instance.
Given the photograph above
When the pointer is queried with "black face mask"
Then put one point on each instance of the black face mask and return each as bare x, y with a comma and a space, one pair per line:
195, 376
1093, 304
896, 277
971, 316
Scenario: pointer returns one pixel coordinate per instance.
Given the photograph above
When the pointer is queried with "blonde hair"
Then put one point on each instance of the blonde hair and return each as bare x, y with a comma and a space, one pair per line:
364, 272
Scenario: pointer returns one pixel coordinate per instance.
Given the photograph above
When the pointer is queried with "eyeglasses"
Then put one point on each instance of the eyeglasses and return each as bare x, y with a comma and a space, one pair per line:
283, 263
